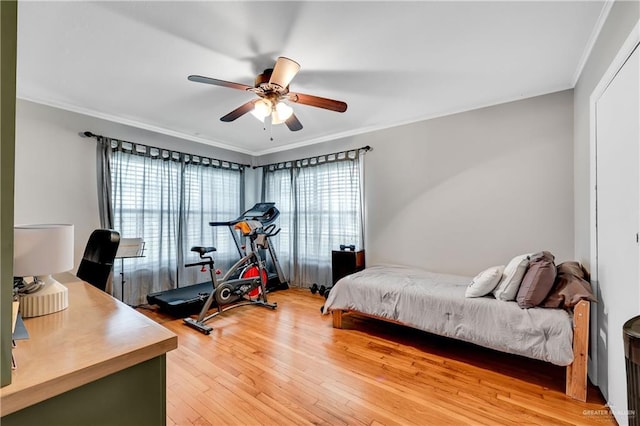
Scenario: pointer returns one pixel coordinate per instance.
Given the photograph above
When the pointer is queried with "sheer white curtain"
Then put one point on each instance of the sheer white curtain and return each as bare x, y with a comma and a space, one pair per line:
328, 213
321, 208
210, 195
145, 200
168, 199
277, 188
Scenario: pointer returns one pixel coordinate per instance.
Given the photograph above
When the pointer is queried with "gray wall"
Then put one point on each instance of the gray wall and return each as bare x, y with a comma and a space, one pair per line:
621, 20
454, 194
460, 193
55, 180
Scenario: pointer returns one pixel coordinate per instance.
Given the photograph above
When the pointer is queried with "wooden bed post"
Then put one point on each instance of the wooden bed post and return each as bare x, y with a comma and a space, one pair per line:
577, 370
337, 318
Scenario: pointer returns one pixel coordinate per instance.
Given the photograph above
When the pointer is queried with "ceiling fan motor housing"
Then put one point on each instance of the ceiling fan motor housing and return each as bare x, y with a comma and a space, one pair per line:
262, 82
263, 78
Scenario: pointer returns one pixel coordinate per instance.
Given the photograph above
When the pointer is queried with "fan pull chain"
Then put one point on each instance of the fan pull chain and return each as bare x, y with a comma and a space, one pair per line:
268, 124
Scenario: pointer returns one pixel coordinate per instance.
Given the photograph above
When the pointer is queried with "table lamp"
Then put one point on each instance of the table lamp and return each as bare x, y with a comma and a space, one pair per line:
38, 252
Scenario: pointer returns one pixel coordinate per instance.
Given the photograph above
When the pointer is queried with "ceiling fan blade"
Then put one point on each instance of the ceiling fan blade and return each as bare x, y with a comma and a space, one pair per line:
284, 71
239, 112
293, 123
318, 102
216, 82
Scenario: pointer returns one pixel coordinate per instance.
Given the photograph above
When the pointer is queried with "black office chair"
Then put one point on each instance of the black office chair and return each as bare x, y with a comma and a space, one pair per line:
97, 261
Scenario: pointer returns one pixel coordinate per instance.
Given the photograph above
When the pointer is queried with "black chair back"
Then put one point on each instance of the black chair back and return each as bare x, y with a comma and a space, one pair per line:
97, 261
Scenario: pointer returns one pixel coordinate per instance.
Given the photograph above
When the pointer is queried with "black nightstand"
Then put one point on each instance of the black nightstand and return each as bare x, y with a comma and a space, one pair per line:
345, 262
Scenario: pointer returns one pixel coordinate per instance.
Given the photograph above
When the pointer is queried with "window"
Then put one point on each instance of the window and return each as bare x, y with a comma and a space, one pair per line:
168, 199
145, 203
210, 195
277, 188
321, 208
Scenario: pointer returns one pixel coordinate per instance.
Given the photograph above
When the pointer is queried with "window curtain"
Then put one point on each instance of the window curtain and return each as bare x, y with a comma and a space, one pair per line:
210, 195
167, 198
321, 207
103, 157
277, 188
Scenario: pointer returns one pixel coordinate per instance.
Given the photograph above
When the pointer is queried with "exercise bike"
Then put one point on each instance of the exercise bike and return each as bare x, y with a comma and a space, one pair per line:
250, 286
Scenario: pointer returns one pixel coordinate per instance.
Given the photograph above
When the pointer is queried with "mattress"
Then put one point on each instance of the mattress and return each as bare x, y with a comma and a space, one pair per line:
436, 303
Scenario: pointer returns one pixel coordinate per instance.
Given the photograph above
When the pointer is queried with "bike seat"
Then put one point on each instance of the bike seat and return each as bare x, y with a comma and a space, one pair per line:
202, 250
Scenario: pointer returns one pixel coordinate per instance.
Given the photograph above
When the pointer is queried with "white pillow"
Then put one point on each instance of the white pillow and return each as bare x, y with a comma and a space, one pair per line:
508, 286
485, 282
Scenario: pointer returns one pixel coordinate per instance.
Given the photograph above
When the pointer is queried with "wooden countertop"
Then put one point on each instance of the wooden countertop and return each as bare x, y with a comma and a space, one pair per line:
94, 337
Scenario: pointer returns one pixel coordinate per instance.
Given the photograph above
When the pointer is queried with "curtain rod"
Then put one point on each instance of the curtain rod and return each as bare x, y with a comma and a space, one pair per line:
363, 148
88, 134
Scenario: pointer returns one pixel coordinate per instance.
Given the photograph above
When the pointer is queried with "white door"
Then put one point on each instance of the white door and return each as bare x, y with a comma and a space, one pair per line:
618, 220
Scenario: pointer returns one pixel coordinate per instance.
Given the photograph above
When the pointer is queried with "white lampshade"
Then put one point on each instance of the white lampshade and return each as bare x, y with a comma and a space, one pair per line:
39, 251
281, 113
284, 71
284, 110
42, 249
261, 109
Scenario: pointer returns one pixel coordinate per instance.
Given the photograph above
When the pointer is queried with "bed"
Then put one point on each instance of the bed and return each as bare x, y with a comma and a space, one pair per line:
436, 303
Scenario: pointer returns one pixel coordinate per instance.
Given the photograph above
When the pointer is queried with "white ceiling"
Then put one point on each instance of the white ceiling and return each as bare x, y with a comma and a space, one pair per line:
391, 62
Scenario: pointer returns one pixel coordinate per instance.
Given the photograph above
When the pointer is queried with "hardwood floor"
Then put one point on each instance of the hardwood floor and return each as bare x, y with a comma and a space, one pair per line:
291, 367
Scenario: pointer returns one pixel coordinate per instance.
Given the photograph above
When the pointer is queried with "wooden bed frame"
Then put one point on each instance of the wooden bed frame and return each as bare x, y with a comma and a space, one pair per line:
576, 382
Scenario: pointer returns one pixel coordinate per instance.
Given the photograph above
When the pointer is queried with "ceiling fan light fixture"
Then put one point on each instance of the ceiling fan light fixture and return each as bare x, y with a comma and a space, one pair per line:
284, 111
276, 119
284, 71
281, 113
261, 109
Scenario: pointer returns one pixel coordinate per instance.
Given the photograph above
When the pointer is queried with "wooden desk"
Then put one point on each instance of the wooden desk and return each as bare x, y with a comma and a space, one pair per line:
93, 349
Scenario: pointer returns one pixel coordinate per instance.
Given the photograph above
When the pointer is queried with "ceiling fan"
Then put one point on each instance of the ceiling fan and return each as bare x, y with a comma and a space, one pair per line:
272, 87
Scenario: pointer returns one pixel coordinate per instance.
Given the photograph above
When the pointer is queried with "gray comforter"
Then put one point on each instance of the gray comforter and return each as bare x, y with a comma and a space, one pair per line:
436, 303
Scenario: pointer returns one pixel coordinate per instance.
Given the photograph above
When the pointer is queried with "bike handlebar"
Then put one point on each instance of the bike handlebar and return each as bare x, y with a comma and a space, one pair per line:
268, 231
273, 234
204, 262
